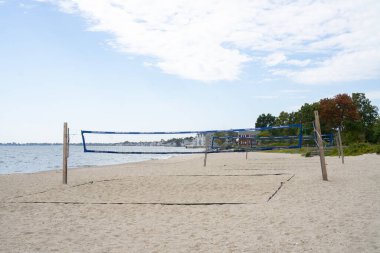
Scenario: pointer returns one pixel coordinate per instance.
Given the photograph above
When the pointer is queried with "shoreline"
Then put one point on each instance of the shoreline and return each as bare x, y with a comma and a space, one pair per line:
86, 166
78, 156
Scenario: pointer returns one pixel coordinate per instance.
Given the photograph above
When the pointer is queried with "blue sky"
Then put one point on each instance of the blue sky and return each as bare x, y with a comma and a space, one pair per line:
175, 65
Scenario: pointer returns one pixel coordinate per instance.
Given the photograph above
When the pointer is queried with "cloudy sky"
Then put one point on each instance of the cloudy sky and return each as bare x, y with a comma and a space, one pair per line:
177, 65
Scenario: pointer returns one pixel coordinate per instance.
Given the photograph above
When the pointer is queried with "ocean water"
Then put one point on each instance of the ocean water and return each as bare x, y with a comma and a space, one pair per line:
34, 158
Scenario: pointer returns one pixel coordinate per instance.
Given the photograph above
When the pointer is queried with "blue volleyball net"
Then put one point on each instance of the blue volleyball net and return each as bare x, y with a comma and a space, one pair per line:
195, 142
257, 139
185, 142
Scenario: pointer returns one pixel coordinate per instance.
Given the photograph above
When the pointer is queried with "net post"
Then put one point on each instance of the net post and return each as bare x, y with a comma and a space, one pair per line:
340, 145
206, 149
246, 155
65, 153
83, 141
337, 145
300, 137
320, 146
336, 139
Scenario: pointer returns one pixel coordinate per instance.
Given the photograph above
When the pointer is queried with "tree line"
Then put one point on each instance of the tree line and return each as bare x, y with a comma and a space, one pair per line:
354, 115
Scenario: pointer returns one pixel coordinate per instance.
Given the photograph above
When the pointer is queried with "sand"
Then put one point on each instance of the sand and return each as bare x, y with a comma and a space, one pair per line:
268, 203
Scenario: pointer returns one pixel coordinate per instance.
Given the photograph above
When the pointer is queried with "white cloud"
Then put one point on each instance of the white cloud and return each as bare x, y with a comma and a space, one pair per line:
275, 59
299, 63
208, 40
350, 66
279, 58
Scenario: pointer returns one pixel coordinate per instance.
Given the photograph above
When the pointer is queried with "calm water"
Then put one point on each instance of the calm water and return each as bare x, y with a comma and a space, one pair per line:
26, 159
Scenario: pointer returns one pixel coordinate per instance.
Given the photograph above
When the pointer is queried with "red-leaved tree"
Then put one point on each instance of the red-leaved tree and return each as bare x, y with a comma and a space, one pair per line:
335, 112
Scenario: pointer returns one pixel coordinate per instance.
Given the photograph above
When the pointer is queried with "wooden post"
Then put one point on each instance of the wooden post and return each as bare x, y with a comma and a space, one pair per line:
337, 144
320, 146
65, 152
206, 149
205, 159
246, 155
340, 145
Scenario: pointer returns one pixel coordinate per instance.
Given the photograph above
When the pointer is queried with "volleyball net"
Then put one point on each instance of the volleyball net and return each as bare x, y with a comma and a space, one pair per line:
195, 142
185, 142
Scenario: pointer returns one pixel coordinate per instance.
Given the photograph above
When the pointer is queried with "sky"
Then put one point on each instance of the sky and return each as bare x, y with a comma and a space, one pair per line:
142, 65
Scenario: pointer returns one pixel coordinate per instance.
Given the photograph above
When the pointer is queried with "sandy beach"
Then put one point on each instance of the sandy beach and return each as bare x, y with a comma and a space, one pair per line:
268, 203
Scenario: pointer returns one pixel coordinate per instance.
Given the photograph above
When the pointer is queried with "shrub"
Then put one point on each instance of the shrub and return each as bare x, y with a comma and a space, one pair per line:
308, 154
359, 149
378, 149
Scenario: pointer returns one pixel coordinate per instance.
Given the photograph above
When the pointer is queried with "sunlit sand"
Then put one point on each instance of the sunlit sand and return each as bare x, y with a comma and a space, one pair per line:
268, 203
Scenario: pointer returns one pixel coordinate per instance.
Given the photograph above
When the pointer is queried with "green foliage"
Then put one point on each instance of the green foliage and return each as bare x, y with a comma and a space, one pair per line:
264, 134
378, 150
368, 112
282, 119
331, 152
178, 141
376, 131
368, 116
308, 154
225, 143
265, 120
356, 117
351, 150
360, 149
353, 133
306, 112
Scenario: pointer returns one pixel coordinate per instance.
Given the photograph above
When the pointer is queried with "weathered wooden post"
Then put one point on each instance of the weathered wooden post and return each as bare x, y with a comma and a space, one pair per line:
205, 159
337, 144
341, 152
206, 150
320, 146
65, 152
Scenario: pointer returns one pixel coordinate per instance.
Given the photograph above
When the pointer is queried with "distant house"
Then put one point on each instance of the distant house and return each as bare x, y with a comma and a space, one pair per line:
188, 143
200, 140
247, 138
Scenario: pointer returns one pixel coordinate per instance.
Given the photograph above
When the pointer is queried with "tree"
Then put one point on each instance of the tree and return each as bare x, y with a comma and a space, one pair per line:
356, 117
376, 131
347, 108
368, 115
328, 113
282, 119
307, 112
306, 116
338, 111
265, 120
341, 112
294, 118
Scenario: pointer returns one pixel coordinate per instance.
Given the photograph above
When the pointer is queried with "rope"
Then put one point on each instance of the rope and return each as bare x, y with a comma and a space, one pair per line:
191, 153
320, 136
197, 132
